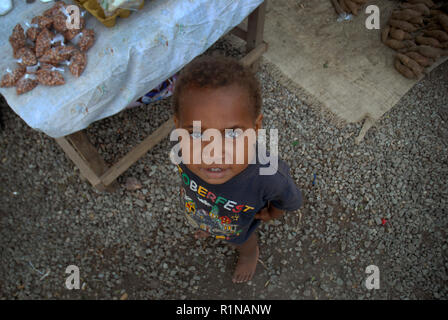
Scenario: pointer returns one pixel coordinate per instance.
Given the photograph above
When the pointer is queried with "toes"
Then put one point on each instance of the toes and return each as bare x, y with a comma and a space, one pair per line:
241, 278
237, 278
247, 277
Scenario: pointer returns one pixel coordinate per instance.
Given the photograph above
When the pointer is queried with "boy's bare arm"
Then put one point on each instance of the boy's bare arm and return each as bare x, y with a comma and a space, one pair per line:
269, 213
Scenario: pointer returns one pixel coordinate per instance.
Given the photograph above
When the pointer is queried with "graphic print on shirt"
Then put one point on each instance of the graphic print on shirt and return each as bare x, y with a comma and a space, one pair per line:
204, 211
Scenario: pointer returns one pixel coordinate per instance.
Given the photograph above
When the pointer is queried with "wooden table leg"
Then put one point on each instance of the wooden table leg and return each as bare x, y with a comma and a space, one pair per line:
255, 29
91, 165
137, 152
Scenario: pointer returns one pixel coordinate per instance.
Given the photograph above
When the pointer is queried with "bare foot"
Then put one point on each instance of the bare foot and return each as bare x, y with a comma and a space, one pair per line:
201, 234
245, 267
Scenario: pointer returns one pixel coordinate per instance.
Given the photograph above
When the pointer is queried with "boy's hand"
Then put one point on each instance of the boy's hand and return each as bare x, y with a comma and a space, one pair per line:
269, 213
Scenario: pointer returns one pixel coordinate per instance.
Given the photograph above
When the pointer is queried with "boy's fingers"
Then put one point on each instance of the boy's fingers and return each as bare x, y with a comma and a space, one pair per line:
262, 216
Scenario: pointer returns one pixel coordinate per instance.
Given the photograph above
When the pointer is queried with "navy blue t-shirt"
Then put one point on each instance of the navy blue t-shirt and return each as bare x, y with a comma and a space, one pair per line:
227, 210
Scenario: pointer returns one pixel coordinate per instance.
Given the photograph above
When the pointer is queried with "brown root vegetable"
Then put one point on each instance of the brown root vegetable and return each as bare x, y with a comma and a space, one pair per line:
26, 57
360, 2
421, 60
427, 41
437, 34
403, 25
11, 77
411, 64
399, 34
417, 7
443, 20
417, 21
430, 52
353, 7
405, 14
405, 71
433, 26
385, 33
50, 77
435, 12
343, 6
428, 3
26, 83
337, 7
396, 45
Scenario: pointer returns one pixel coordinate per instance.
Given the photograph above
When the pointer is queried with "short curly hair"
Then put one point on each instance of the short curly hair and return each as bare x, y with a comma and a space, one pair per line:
217, 72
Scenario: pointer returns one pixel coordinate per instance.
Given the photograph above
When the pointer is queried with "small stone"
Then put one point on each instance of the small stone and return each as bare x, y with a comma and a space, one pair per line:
124, 296
132, 184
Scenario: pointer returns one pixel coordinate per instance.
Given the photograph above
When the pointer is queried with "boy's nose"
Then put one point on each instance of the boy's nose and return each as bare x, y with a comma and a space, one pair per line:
213, 152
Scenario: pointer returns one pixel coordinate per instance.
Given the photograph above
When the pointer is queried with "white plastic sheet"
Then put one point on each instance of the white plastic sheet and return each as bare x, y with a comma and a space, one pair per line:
126, 61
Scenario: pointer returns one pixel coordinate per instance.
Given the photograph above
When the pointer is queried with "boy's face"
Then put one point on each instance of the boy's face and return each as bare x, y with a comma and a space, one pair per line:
219, 108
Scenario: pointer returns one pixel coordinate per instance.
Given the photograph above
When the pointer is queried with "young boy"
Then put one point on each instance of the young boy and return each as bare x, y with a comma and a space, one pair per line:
228, 201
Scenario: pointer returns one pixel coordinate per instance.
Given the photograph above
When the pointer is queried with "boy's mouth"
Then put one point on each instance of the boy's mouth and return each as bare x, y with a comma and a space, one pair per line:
215, 172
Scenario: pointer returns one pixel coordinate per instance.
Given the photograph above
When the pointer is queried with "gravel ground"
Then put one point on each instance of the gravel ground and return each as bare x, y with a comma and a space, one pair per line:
136, 244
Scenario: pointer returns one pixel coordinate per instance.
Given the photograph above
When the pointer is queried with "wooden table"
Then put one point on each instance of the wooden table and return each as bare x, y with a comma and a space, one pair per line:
93, 167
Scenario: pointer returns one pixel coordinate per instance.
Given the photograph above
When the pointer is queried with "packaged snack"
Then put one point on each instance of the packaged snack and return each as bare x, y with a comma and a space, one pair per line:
32, 69
50, 77
32, 31
17, 39
11, 77
60, 22
77, 63
42, 22
27, 83
65, 52
71, 33
87, 39
43, 42
76, 38
53, 56
58, 40
26, 57
50, 67
55, 9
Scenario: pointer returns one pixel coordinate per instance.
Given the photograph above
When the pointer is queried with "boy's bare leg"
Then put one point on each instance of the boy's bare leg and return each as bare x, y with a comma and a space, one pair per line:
247, 260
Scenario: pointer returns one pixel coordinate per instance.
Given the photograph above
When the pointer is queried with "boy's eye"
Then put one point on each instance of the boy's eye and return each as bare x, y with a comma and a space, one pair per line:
232, 134
196, 135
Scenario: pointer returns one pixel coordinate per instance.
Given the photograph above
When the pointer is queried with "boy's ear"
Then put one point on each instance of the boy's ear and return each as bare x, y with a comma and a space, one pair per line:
259, 122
